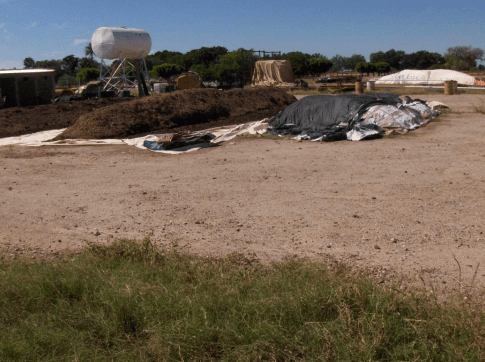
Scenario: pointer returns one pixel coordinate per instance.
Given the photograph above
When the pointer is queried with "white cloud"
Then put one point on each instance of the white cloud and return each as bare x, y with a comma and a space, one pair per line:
7, 35
61, 26
2, 25
80, 41
32, 25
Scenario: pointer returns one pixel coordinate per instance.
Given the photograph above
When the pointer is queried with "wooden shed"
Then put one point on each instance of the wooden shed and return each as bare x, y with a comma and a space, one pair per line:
26, 87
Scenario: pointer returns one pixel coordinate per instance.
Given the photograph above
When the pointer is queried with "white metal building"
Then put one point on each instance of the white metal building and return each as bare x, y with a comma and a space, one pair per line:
25, 87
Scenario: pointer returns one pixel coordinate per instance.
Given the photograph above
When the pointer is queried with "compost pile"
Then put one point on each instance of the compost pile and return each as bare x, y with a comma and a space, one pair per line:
17, 121
183, 111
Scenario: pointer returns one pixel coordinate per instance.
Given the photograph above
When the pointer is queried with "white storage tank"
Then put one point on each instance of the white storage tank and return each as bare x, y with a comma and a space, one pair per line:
111, 43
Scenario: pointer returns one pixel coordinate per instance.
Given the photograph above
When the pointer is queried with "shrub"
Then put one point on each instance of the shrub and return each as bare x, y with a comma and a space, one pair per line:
67, 80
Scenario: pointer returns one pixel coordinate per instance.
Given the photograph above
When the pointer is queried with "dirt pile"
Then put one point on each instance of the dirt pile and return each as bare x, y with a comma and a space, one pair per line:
18, 121
188, 110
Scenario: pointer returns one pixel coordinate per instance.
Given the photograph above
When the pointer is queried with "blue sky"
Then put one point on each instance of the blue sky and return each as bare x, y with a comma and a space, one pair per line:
54, 29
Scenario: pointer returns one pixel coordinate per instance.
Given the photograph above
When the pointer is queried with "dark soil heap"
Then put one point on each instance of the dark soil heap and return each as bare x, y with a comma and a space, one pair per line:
188, 110
17, 121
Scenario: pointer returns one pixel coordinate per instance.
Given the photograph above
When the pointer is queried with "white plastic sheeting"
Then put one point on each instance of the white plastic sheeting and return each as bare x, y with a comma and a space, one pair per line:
432, 77
222, 134
399, 119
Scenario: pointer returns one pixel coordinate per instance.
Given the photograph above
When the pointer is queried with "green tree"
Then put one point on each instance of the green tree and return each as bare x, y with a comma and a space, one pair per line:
393, 57
204, 56
29, 63
88, 63
88, 74
371, 68
354, 60
166, 71
454, 62
340, 63
317, 66
208, 74
68, 80
368, 68
422, 60
361, 67
164, 57
88, 51
317, 55
70, 64
52, 64
468, 54
234, 67
382, 67
299, 62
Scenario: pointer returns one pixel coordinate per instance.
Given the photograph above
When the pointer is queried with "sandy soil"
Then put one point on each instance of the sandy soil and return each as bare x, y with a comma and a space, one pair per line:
404, 204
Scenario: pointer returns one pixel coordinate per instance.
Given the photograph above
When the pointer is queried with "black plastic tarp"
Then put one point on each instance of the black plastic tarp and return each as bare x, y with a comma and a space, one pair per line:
320, 116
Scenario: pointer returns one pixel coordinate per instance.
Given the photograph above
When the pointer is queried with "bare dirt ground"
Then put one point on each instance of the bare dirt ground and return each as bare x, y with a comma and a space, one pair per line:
406, 204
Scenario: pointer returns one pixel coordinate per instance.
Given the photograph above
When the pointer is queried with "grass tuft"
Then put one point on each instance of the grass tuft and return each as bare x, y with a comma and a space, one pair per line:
129, 300
479, 108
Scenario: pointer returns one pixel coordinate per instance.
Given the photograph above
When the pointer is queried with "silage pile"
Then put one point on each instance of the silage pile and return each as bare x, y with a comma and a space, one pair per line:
181, 111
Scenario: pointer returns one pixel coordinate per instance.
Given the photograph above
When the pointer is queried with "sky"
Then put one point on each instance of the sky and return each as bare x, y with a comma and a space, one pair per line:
46, 29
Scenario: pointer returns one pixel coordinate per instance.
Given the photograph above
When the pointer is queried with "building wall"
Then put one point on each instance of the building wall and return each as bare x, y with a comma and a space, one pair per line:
7, 85
27, 89
45, 89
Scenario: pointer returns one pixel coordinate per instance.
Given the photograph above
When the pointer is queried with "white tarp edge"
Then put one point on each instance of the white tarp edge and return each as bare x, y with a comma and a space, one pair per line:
222, 134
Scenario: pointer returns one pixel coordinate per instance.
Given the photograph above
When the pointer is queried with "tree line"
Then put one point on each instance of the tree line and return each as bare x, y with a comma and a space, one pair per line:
219, 64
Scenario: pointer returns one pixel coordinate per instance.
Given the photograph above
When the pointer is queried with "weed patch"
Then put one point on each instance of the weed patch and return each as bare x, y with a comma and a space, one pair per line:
128, 300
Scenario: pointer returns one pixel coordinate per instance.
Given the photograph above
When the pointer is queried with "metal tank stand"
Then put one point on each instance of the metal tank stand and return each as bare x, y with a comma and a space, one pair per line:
121, 74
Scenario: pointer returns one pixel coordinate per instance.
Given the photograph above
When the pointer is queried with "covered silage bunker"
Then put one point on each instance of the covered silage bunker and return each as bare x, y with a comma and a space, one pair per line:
426, 77
349, 117
272, 72
27, 87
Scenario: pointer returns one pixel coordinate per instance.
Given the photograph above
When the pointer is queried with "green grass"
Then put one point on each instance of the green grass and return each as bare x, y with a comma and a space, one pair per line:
131, 302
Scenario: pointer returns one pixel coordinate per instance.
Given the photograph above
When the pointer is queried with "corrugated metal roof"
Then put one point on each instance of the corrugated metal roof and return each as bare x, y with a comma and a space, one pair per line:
25, 71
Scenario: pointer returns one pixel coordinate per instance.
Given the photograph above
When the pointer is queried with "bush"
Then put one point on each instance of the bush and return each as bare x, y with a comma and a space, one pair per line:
208, 74
166, 70
67, 80
88, 74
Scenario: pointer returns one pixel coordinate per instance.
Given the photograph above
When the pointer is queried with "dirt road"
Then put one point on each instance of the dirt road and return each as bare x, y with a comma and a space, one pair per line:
402, 204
